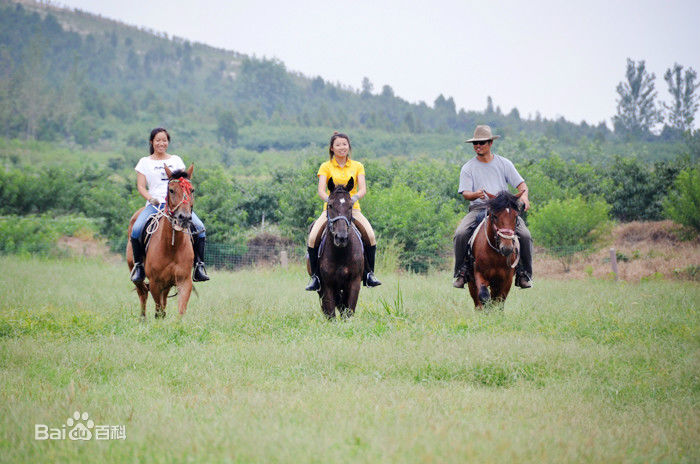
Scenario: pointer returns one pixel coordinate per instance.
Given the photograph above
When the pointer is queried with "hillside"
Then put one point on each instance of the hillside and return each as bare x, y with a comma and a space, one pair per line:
71, 76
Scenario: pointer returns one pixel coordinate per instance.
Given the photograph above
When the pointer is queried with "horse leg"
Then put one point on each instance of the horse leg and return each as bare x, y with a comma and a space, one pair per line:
474, 294
142, 291
183, 295
328, 301
351, 295
160, 295
483, 287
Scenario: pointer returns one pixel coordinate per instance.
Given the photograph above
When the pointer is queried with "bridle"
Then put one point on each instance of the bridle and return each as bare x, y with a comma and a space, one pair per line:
507, 234
341, 217
186, 186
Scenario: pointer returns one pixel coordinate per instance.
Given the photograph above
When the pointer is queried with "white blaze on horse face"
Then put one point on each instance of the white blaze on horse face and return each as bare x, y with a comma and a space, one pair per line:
342, 201
508, 210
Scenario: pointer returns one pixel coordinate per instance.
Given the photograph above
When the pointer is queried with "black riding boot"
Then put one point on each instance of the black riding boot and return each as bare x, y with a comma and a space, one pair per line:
315, 283
138, 273
199, 274
370, 280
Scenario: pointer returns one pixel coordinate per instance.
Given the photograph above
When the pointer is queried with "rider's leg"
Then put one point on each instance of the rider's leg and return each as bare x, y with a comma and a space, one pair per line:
138, 273
461, 247
524, 279
314, 235
370, 241
199, 273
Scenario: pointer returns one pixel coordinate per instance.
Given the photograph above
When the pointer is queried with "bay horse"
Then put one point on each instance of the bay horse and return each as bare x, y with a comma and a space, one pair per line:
168, 261
495, 250
341, 257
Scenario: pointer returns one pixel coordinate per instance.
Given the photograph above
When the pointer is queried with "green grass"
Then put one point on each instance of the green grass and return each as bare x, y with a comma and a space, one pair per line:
580, 371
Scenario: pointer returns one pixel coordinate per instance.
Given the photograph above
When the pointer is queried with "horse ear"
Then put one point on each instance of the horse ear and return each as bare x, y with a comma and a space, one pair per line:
489, 195
168, 172
189, 171
331, 184
351, 184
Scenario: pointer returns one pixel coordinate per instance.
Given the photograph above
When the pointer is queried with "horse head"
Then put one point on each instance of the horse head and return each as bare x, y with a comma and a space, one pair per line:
339, 212
503, 211
180, 197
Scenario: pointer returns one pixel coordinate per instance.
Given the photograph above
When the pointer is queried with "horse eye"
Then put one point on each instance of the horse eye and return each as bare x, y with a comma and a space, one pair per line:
171, 190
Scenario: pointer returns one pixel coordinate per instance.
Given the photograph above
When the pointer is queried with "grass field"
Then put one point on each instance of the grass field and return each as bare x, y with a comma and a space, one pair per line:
580, 371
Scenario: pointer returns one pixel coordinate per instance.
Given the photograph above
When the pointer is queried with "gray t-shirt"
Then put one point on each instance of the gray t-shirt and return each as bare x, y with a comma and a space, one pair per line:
492, 177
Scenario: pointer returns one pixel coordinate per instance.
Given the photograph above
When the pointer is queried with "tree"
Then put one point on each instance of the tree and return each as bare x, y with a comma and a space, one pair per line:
227, 129
367, 87
637, 111
683, 203
681, 111
566, 227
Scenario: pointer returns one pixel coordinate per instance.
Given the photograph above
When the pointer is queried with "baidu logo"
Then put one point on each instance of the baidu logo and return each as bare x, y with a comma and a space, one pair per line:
80, 427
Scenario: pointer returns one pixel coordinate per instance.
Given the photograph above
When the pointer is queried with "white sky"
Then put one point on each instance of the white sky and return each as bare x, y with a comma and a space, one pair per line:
558, 57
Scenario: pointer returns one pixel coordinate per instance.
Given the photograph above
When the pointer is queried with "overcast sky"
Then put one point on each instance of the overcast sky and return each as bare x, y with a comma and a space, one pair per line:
561, 58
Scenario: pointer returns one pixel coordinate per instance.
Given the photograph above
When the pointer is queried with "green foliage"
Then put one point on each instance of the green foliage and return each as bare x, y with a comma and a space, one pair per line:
637, 111
218, 202
685, 102
682, 205
568, 226
38, 234
419, 224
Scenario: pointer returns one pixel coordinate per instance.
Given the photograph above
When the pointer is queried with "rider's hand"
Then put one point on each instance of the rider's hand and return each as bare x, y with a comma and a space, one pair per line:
154, 201
480, 193
526, 203
354, 198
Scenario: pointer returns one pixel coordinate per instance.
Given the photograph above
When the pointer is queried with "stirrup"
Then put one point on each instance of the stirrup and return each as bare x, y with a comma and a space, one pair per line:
138, 274
199, 274
314, 285
371, 281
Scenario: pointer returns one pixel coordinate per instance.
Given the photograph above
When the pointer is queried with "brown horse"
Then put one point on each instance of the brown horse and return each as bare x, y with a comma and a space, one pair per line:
170, 253
495, 250
341, 259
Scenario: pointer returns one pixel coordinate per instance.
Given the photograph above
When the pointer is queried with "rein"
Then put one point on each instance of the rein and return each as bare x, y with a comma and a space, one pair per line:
167, 211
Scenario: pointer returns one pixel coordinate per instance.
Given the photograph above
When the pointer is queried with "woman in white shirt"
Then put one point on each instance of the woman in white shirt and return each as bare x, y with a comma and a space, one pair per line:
152, 184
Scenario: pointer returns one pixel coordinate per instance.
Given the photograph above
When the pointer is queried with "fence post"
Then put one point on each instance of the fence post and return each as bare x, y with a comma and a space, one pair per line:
284, 261
613, 261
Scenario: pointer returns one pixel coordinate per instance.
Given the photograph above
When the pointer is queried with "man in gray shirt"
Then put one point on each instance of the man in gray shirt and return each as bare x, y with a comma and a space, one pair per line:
488, 172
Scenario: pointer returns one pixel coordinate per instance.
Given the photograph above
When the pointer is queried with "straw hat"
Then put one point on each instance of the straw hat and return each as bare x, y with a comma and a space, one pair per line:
482, 133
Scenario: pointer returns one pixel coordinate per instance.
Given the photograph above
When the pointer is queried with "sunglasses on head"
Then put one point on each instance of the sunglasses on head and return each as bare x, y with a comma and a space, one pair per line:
481, 142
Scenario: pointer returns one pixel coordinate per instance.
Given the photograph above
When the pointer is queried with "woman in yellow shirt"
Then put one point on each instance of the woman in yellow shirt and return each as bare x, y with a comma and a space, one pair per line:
341, 168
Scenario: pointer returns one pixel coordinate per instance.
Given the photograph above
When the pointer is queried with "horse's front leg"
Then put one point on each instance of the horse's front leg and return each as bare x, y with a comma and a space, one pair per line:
350, 296
160, 296
328, 301
504, 287
184, 289
474, 294
482, 286
142, 291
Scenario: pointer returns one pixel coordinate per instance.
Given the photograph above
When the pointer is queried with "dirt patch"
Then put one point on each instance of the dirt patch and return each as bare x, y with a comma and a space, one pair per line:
88, 247
643, 250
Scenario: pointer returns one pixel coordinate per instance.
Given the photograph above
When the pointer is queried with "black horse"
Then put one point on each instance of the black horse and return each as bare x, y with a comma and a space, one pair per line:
341, 259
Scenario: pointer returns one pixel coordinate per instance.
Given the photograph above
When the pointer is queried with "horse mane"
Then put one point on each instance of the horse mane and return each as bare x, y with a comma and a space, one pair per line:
503, 200
179, 174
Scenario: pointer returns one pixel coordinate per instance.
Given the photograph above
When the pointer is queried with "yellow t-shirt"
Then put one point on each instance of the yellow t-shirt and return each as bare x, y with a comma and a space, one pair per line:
342, 175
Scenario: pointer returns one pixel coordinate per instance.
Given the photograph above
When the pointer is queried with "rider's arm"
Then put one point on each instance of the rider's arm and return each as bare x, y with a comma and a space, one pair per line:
473, 195
361, 186
322, 182
141, 186
522, 187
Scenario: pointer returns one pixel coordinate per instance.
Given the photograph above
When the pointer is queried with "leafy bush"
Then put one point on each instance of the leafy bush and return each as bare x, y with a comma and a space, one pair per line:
568, 226
422, 227
39, 234
683, 202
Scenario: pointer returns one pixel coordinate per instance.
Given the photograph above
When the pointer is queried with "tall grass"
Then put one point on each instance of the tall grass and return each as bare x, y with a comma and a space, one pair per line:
580, 371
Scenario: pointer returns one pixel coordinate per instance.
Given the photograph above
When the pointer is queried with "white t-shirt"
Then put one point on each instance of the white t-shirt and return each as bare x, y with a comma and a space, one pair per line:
156, 179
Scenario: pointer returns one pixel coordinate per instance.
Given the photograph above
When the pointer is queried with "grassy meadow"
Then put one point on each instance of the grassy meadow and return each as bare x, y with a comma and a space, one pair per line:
577, 371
